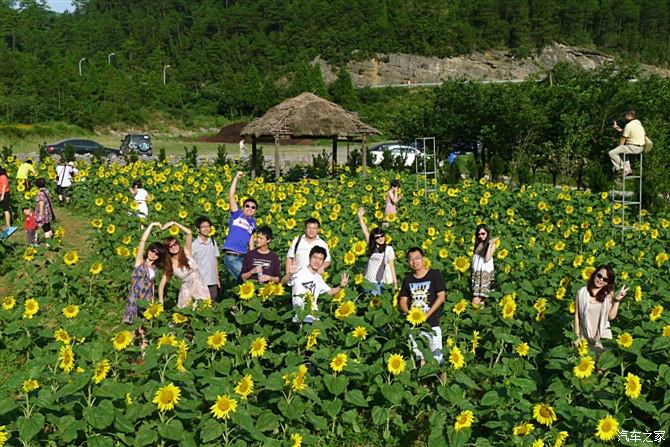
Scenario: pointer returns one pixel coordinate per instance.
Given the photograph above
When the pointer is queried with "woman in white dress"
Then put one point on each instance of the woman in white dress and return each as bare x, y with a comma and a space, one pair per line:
595, 305
180, 263
140, 195
482, 265
380, 270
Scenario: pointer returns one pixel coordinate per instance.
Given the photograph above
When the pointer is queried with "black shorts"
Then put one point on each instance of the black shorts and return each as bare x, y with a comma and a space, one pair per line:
62, 191
5, 202
46, 227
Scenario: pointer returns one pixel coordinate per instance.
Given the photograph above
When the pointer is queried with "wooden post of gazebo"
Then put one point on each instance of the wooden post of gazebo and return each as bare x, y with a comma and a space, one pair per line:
253, 157
364, 154
334, 155
277, 170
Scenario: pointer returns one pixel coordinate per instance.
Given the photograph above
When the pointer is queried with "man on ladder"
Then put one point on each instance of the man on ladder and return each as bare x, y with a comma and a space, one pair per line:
632, 142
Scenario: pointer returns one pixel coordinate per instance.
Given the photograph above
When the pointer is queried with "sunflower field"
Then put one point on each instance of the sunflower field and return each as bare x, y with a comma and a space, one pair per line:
239, 372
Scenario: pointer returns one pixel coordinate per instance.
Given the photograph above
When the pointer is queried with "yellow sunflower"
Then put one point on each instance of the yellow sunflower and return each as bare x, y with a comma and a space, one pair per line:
122, 340
460, 307
349, 258
66, 358
633, 386
416, 316
464, 420
461, 264
101, 371
30, 308
656, 312
345, 310
296, 438
523, 429
258, 347
359, 333
167, 397
8, 303
247, 291
153, 311
167, 340
312, 339
338, 362
71, 311
62, 336
217, 340
30, 385
71, 258
178, 318
522, 349
245, 386
396, 364
223, 407
96, 268
456, 358
584, 368
544, 414
625, 340
607, 428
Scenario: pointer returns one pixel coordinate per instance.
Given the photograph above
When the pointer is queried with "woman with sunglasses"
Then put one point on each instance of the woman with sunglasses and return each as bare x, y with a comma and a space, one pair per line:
595, 305
180, 263
380, 270
144, 274
482, 265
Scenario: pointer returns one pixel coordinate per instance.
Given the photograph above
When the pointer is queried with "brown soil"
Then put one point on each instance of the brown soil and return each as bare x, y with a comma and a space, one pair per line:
231, 134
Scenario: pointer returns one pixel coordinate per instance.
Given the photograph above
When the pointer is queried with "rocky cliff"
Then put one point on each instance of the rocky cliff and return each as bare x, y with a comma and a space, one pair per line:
493, 65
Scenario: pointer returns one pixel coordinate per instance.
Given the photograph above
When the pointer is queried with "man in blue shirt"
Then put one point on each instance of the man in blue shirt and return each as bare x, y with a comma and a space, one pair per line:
240, 228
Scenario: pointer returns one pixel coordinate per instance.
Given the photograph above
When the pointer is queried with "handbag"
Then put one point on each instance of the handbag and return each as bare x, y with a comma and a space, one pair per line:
648, 144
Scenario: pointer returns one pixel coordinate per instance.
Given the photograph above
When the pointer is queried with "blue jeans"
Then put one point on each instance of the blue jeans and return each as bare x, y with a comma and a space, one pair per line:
377, 289
233, 265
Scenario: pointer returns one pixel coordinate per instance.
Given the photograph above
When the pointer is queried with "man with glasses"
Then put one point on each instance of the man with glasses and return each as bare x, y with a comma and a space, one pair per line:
424, 288
205, 252
301, 246
241, 226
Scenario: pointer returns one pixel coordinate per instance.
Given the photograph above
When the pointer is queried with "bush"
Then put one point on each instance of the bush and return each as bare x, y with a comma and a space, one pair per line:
321, 165
221, 155
191, 156
161, 155
596, 179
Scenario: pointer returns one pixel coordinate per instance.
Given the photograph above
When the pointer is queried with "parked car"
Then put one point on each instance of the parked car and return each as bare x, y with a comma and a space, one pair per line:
81, 147
137, 142
397, 150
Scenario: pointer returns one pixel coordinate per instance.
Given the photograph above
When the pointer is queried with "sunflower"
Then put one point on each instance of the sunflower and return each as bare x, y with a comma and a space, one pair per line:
99, 201
544, 414
297, 440
345, 310
96, 223
661, 258
101, 371
396, 364
461, 264
638, 294
416, 316
522, 349
311, 339
464, 420
508, 310
153, 311
245, 386
109, 209
66, 358
560, 439
456, 358
338, 362
258, 347
359, 248
607, 428
62, 336
460, 307
247, 291
71, 258
349, 258
122, 251
217, 340
30, 308
223, 407
584, 368
167, 397
666, 331
30, 385
656, 312
111, 229
178, 318
359, 333
167, 340
625, 340
71, 311
475, 341
633, 386
8, 303
559, 246
523, 429
583, 347
122, 340
96, 268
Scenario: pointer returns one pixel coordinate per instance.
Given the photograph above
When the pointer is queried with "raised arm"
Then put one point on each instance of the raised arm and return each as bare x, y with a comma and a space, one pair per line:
188, 235
232, 190
361, 222
139, 257
344, 280
491, 249
616, 300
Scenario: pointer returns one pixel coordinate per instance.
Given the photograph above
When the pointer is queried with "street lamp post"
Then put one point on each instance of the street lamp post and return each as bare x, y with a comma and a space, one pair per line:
80, 61
165, 68
109, 58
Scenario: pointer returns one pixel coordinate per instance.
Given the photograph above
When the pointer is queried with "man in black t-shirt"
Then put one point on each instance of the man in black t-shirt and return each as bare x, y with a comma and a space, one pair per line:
261, 264
424, 288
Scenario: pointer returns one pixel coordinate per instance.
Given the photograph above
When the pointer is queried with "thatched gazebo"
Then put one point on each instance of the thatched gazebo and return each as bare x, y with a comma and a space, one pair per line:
307, 116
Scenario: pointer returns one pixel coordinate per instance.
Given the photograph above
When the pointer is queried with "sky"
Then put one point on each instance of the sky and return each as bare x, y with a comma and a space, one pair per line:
60, 5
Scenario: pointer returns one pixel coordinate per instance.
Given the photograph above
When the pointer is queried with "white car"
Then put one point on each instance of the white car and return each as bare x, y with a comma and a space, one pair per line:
408, 153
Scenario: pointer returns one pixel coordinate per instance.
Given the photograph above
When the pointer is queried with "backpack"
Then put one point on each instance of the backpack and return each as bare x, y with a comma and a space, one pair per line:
648, 144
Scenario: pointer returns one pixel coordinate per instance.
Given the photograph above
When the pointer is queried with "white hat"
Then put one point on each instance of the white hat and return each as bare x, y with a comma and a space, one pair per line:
70, 163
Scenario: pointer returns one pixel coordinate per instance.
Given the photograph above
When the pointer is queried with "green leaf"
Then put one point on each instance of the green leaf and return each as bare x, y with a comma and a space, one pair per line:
646, 365
393, 393
436, 422
29, 427
526, 385
608, 360
100, 416
331, 407
173, 430
356, 397
267, 421
123, 424
113, 390
490, 399
145, 436
336, 384
100, 441
380, 415
7, 404
210, 431
247, 317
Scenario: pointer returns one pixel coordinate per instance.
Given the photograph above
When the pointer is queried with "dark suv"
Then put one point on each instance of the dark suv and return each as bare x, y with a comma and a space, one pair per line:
137, 142
80, 147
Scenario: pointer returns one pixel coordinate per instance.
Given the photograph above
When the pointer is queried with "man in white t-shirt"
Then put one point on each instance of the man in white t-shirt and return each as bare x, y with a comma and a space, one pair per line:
308, 284
299, 252
65, 173
632, 142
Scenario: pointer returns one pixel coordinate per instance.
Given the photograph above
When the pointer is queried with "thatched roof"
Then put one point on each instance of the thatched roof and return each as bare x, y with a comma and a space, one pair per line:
308, 116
